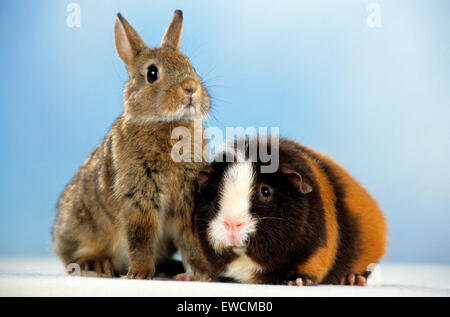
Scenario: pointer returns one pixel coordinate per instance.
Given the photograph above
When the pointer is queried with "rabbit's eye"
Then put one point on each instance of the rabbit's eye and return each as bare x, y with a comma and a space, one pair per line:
152, 73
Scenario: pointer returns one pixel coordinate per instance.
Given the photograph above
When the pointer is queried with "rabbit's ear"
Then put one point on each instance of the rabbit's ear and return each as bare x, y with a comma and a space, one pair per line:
172, 37
128, 41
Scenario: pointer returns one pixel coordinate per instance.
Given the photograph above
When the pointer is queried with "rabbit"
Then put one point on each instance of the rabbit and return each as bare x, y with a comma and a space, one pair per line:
129, 206
308, 223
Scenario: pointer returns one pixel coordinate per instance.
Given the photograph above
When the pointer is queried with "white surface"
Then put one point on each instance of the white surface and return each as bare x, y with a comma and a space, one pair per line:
46, 277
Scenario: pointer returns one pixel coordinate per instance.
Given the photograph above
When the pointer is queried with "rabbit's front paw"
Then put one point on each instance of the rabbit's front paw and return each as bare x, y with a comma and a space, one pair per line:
141, 270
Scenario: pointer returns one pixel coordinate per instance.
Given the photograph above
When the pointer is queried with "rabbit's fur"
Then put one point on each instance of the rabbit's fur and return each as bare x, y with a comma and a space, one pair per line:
129, 206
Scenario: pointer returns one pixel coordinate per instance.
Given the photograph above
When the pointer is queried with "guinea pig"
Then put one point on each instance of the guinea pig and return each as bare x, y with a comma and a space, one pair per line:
310, 222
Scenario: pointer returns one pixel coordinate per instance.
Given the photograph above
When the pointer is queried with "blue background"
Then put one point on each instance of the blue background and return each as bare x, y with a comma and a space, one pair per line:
376, 99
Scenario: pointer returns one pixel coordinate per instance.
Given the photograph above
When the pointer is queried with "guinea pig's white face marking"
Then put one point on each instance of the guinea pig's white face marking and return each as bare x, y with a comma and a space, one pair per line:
233, 223
243, 269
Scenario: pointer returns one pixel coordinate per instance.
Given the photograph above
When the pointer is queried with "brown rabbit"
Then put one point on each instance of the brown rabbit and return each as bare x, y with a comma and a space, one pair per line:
129, 206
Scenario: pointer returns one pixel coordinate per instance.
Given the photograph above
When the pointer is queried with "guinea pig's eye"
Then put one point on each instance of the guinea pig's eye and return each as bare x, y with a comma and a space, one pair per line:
152, 73
265, 192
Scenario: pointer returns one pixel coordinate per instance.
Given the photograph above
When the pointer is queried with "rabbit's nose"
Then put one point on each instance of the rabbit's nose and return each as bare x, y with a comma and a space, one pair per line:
189, 88
188, 91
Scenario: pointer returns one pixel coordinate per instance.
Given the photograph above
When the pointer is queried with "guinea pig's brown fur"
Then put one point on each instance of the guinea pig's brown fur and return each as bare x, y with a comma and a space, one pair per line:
129, 206
318, 224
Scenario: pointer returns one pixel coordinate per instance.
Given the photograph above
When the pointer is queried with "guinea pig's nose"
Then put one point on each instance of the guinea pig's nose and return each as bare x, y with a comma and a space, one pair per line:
233, 225
235, 231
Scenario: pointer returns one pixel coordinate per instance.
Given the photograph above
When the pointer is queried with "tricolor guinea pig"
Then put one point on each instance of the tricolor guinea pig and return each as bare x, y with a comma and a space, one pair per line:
309, 222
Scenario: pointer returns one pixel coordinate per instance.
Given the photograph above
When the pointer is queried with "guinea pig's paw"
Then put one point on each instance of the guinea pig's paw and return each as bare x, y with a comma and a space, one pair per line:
301, 281
141, 271
353, 279
185, 277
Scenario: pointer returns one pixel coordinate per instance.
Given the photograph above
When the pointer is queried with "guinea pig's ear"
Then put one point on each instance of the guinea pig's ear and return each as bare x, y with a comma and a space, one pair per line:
296, 180
172, 37
203, 177
128, 41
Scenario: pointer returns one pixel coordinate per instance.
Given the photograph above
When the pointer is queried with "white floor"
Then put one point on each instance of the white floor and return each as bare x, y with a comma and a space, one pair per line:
46, 277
